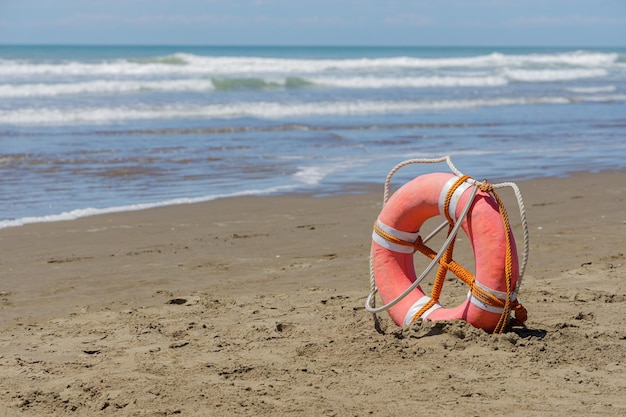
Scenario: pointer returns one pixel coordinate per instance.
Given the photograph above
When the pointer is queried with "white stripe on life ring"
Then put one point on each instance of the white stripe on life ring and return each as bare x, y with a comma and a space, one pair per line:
456, 196
408, 319
482, 305
398, 234
499, 294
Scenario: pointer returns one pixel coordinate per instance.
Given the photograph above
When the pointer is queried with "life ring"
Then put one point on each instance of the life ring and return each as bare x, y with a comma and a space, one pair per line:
393, 245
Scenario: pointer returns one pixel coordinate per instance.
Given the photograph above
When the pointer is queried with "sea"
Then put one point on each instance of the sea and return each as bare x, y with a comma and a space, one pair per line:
86, 130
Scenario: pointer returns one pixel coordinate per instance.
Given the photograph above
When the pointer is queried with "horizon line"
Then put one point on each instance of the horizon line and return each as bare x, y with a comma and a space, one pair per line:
242, 45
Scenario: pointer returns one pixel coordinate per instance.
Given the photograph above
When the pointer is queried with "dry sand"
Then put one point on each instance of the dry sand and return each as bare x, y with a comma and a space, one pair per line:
254, 306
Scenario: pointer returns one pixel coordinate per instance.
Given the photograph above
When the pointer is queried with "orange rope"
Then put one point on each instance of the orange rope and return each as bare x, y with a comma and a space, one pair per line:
508, 260
439, 279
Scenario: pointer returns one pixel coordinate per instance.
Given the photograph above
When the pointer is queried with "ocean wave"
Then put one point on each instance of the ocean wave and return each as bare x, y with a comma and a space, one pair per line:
136, 86
251, 83
551, 75
270, 83
269, 110
591, 90
236, 84
103, 87
168, 60
186, 64
258, 64
411, 82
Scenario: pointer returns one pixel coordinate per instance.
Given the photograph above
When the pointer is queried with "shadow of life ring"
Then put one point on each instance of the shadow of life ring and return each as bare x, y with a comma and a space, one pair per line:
396, 238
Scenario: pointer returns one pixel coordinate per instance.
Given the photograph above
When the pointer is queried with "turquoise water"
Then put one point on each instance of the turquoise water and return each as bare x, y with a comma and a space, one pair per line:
106, 128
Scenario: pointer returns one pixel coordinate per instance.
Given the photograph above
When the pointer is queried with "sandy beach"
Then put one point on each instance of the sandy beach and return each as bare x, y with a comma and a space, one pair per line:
255, 306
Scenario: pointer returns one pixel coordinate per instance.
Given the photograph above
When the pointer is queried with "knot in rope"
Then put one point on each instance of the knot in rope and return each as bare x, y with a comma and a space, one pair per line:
485, 186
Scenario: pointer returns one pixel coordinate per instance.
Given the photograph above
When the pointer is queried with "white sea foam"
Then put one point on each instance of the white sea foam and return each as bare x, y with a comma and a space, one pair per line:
591, 90
312, 175
256, 64
411, 82
186, 64
103, 86
315, 174
203, 85
268, 110
549, 75
86, 212
463, 79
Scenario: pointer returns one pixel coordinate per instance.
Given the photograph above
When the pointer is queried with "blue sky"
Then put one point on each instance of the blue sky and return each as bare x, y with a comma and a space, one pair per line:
315, 22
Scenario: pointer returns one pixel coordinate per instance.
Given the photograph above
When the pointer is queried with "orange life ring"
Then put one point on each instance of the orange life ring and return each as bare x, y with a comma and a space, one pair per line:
392, 263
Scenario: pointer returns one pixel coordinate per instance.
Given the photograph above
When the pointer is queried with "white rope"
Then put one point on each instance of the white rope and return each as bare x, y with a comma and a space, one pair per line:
370, 302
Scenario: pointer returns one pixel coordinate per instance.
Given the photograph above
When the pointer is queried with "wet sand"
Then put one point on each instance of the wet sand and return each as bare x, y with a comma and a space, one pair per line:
254, 306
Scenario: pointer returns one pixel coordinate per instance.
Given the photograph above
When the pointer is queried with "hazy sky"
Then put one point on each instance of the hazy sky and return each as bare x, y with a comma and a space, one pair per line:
315, 22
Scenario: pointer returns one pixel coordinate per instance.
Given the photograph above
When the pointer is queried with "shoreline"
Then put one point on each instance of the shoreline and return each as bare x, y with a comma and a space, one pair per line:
254, 306
352, 188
